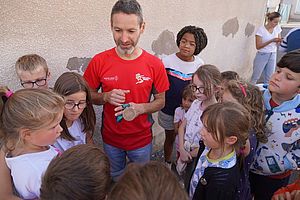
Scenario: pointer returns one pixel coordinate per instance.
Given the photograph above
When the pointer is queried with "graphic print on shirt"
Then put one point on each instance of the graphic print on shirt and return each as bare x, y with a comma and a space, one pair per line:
289, 125
141, 78
180, 75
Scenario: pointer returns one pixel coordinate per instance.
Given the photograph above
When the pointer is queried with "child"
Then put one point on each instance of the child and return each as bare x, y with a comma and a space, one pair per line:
224, 132
205, 85
275, 160
79, 118
180, 66
151, 181
81, 172
229, 75
29, 125
33, 72
186, 102
250, 97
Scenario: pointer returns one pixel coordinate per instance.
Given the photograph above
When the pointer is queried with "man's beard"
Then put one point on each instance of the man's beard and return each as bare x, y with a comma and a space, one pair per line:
125, 51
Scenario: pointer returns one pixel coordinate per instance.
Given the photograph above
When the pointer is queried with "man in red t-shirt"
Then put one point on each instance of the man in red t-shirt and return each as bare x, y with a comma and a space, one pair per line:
128, 76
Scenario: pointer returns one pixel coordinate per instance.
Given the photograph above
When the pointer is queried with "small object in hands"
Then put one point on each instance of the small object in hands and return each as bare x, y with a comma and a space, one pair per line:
129, 114
120, 117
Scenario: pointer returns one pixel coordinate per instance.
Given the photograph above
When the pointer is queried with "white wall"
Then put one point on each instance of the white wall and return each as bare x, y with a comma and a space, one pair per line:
61, 29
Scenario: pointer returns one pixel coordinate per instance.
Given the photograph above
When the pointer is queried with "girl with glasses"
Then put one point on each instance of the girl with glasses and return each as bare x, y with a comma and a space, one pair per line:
79, 118
205, 86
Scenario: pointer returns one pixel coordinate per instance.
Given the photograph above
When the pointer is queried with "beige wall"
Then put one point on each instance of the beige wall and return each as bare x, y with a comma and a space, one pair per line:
64, 29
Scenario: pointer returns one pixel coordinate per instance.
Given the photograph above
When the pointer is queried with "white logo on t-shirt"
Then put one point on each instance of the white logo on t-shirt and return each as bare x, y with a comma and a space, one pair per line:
141, 78
111, 78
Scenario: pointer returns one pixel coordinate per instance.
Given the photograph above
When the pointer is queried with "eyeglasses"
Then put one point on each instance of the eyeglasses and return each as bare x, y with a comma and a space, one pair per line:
38, 82
72, 105
199, 88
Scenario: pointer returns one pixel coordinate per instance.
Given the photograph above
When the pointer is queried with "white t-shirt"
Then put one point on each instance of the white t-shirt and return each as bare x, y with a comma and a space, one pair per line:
193, 126
176, 64
179, 114
27, 170
76, 131
266, 36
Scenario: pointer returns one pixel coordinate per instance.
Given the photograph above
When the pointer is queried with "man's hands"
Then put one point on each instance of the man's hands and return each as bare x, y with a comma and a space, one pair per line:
115, 97
138, 108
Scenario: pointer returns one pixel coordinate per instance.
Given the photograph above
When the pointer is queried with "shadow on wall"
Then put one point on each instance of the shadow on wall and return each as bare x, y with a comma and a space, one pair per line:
165, 44
232, 26
78, 64
249, 30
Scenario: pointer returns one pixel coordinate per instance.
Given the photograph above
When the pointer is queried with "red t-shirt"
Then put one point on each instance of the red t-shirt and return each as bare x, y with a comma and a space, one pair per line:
143, 76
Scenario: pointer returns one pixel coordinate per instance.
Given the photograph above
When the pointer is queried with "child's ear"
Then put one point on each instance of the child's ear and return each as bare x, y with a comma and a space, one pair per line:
231, 140
48, 76
25, 133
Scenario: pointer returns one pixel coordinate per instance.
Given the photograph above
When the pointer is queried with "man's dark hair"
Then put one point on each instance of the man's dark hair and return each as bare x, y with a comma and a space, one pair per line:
128, 7
199, 34
291, 60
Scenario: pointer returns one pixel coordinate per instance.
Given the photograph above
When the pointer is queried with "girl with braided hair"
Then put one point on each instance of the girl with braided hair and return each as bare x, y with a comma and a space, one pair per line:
180, 66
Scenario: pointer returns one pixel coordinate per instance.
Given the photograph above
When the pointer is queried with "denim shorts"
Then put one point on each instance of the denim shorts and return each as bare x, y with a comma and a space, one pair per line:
166, 121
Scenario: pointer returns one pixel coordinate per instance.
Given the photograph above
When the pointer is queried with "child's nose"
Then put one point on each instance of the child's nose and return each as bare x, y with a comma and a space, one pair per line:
278, 77
60, 129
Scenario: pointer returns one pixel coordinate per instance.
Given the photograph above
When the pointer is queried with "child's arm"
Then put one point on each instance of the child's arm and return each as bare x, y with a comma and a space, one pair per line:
177, 119
6, 191
184, 155
176, 127
259, 44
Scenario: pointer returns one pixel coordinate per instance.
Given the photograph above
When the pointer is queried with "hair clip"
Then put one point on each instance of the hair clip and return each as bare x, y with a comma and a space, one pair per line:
243, 90
8, 93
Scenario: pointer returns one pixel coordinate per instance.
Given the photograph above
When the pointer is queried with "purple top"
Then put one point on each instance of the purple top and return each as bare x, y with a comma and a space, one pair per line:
244, 187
